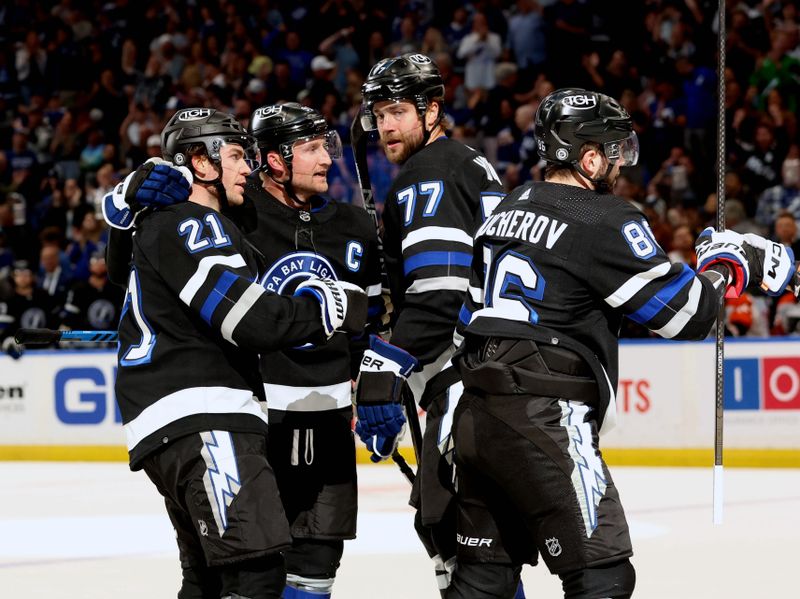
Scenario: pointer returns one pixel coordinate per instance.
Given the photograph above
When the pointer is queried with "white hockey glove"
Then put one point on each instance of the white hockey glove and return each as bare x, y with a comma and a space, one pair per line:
154, 184
749, 259
344, 305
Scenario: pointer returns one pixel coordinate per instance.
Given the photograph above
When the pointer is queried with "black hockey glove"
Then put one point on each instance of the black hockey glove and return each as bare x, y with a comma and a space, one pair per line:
379, 390
344, 305
157, 183
750, 260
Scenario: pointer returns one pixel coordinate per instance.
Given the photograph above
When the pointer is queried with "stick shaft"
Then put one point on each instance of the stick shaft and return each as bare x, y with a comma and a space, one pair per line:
358, 142
46, 336
720, 329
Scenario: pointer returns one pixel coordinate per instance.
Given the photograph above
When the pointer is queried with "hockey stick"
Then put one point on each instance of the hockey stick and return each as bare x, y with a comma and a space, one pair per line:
359, 138
720, 329
47, 336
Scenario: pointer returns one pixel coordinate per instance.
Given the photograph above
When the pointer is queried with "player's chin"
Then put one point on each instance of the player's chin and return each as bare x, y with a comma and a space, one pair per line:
396, 153
236, 196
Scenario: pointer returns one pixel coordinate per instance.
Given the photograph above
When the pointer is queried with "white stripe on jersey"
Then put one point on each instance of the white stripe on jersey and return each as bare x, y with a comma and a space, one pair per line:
373, 290
476, 294
682, 316
438, 284
188, 402
201, 274
635, 284
288, 398
240, 308
436, 234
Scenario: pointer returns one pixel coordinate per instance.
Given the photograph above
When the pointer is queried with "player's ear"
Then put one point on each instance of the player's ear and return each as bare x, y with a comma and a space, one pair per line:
592, 161
200, 165
276, 164
432, 114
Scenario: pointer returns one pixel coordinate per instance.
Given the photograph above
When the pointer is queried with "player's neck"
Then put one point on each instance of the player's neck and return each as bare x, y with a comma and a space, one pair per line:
437, 132
278, 191
571, 177
201, 195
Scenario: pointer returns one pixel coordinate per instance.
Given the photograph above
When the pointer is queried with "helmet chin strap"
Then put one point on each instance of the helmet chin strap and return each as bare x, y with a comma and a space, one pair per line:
601, 184
288, 187
217, 185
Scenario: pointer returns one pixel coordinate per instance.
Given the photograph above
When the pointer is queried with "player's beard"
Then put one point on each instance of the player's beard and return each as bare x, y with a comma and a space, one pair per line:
410, 142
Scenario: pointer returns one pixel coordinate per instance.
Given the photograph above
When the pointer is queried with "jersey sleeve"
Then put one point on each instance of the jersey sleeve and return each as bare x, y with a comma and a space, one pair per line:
118, 255
430, 215
198, 259
630, 271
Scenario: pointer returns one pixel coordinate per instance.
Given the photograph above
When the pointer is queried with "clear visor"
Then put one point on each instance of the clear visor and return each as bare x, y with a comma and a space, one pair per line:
367, 118
331, 142
626, 150
252, 155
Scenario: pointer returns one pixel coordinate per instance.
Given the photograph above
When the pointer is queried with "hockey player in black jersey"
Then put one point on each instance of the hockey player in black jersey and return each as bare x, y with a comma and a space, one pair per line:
555, 270
441, 194
188, 383
303, 235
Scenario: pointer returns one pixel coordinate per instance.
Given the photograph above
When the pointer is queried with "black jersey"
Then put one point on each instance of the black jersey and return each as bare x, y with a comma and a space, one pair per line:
193, 320
433, 207
332, 240
30, 311
571, 263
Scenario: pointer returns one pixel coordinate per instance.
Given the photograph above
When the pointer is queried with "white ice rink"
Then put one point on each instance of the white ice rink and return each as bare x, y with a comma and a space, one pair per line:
98, 531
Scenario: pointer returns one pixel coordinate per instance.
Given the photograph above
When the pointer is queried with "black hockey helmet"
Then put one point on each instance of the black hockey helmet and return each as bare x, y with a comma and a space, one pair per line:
279, 126
568, 118
406, 77
194, 126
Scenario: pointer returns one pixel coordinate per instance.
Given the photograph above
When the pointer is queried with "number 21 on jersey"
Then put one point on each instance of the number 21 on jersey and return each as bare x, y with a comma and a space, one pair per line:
196, 239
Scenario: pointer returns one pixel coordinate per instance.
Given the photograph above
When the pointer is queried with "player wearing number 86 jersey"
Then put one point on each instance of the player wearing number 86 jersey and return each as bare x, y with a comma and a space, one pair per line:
554, 271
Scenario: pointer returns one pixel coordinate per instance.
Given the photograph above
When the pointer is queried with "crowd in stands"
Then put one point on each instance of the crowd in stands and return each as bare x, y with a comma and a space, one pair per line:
86, 86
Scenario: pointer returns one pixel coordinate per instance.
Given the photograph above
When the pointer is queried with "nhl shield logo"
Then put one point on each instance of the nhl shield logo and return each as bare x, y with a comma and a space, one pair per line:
203, 527
553, 546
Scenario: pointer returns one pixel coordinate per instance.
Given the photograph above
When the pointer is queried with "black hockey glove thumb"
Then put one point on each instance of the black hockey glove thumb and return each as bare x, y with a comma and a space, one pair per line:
343, 305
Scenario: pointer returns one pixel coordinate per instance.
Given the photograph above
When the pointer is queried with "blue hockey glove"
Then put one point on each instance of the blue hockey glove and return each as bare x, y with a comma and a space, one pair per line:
380, 447
749, 259
381, 380
343, 305
157, 183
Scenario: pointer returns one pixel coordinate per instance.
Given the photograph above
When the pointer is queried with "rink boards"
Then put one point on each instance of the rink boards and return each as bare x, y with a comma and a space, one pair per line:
59, 405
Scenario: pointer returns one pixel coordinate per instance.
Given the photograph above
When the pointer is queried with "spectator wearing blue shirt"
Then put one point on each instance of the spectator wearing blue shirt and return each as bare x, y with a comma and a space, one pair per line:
526, 38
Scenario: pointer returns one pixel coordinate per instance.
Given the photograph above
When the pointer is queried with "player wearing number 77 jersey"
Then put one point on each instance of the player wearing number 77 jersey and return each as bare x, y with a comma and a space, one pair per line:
438, 199
555, 270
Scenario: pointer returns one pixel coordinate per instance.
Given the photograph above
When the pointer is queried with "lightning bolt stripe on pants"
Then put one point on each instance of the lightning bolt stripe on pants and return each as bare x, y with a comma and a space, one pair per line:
221, 478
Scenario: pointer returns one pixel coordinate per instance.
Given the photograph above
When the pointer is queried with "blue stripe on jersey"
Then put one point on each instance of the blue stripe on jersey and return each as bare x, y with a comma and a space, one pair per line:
226, 279
664, 295
424, 259
465, 315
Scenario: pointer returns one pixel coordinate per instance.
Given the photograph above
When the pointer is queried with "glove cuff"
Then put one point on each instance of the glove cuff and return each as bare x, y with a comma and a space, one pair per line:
380, 390
403, 363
